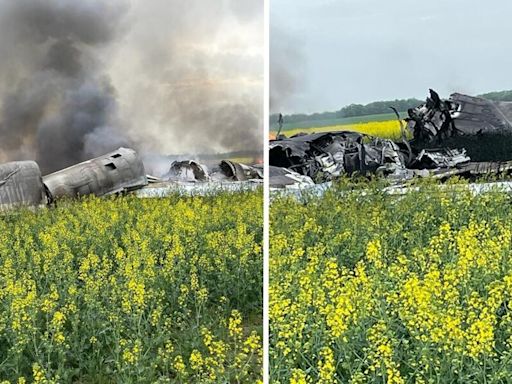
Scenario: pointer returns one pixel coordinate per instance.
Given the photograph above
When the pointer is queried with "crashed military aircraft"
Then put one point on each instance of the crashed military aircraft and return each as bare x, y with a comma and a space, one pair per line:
190, 171
321, 157
120, 171
115, 172
21, 183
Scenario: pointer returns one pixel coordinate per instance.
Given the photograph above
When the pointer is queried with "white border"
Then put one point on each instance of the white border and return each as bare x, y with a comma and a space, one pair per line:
266, 195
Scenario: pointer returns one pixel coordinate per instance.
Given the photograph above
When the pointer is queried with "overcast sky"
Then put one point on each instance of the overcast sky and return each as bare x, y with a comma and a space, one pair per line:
325, 54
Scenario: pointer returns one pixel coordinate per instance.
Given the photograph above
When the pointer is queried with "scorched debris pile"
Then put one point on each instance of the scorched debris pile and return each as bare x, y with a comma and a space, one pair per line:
190, 171
313, 158
120, 171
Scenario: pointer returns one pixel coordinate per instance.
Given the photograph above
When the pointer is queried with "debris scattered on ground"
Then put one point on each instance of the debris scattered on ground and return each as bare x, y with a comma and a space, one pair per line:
322, 157
118, 172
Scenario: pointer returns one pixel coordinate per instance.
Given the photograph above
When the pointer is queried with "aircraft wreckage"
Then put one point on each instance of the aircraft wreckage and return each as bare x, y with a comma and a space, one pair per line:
117, 172
438, 127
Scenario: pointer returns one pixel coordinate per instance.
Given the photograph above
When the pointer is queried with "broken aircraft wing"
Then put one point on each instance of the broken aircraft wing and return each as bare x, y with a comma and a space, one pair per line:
115, 172
459, 115
21, 184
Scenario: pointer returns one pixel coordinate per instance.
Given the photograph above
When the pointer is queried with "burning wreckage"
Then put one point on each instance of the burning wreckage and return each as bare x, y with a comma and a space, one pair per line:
192, 177
21, 182
439, 128
117, 172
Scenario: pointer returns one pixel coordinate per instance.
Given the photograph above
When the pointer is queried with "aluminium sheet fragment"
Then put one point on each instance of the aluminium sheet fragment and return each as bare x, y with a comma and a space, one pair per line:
115, 172
21, 184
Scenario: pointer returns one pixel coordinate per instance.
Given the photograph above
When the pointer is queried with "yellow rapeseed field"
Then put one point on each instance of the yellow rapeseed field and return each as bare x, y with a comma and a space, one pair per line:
372, 288
125, 290
389, 129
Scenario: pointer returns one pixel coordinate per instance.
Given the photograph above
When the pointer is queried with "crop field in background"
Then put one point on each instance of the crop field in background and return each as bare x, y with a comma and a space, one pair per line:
389, 129
127, 290
391, 289
306, 125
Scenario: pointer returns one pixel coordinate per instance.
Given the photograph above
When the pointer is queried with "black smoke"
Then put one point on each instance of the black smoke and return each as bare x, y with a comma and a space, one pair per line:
198, 86
80, 78
55, 98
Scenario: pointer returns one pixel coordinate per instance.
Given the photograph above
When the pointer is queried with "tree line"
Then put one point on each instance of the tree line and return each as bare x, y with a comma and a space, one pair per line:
374, 108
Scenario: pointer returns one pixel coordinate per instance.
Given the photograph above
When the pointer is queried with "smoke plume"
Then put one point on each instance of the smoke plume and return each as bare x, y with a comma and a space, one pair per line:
286, 69
54, 94
78, 79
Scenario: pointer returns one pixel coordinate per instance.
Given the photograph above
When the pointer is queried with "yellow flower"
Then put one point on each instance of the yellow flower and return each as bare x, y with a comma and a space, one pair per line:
59, 337
326, 368
58, 319
38, 373
235, 324
196, 360
179, 365
298, 377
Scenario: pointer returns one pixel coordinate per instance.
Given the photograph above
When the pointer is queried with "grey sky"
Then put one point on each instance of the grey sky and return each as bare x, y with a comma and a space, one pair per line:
325, 54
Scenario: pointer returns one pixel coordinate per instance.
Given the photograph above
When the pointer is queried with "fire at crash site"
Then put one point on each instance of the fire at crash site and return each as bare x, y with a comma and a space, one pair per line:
106, 98
131, 191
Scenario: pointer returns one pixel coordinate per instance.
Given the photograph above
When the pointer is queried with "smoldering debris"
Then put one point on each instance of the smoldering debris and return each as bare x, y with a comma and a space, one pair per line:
322, 157
190, 171
194, 178
187, 171
117, 172
234, 171
75, 78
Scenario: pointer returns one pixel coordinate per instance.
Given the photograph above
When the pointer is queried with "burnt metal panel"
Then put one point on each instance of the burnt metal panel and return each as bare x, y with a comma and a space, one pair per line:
474, 115
439, 119
187, 170
238, 171
283, 178
21, 184
118, 171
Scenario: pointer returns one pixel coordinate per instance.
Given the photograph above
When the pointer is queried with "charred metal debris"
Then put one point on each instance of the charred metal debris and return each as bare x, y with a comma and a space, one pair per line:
305, 159
117, 172
21, 182
190, 171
